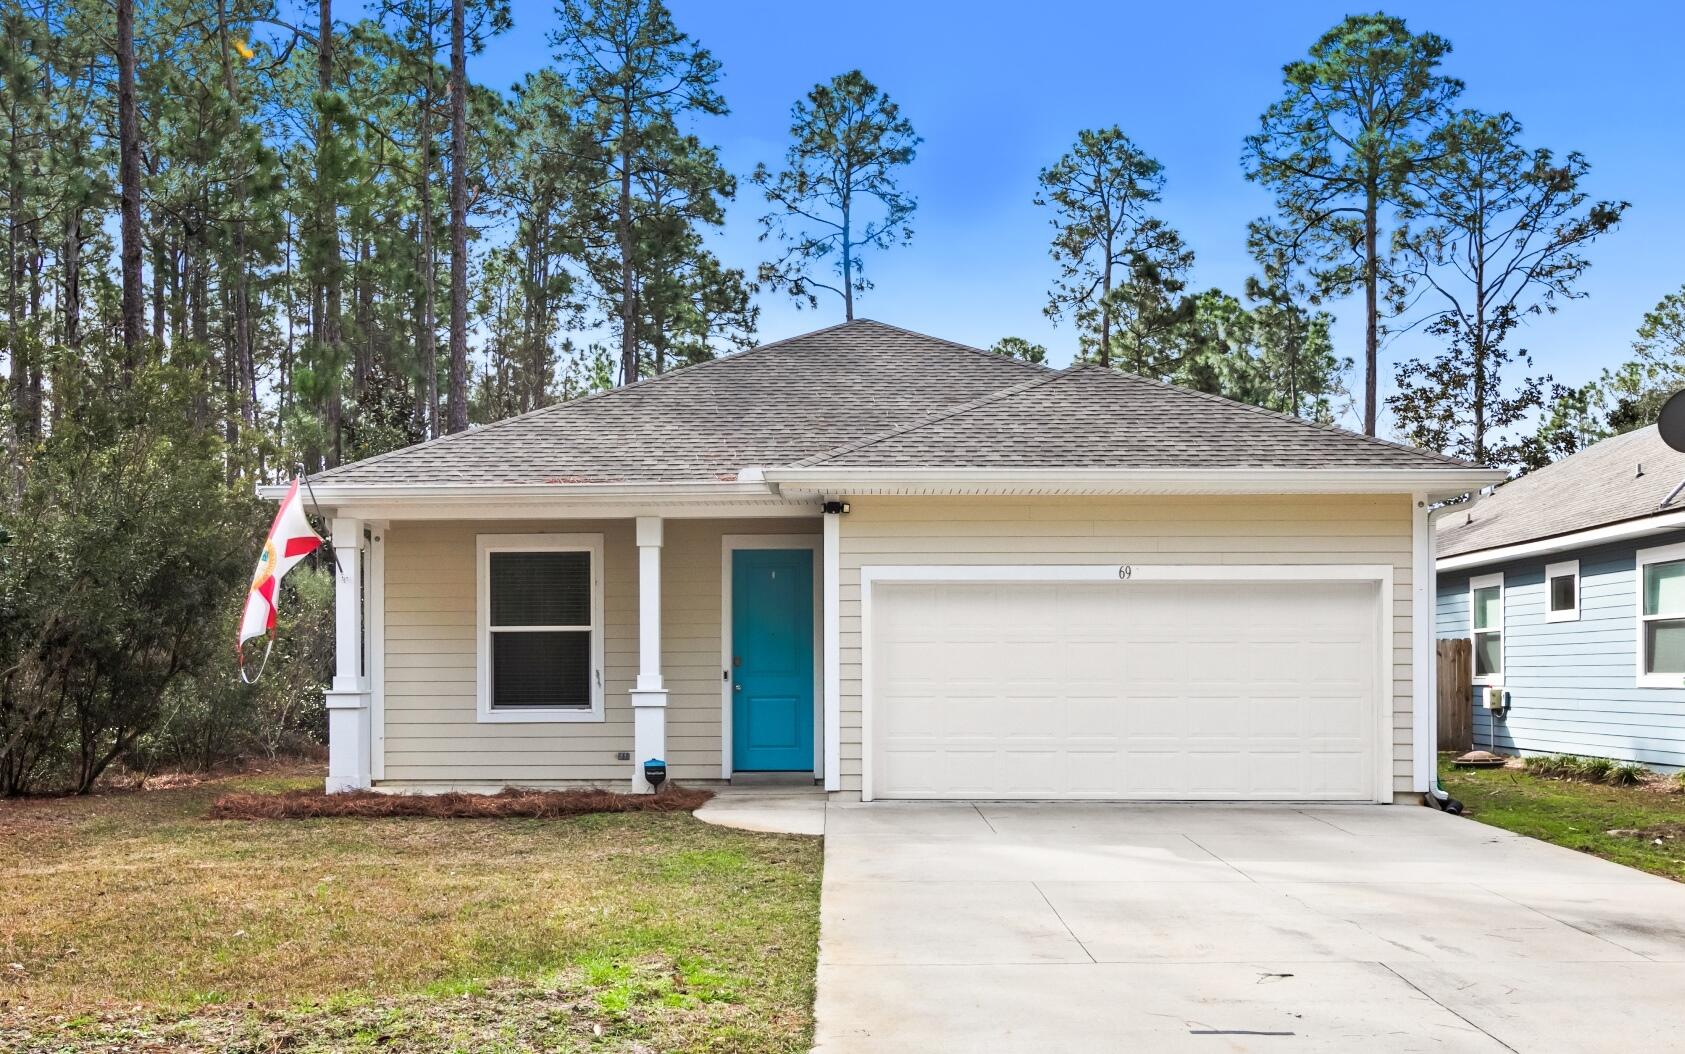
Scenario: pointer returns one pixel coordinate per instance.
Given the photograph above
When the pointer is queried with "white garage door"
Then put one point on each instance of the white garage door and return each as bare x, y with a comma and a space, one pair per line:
1222, 691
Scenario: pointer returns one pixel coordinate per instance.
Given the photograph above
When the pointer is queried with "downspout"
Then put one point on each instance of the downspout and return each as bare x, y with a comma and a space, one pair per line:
1436, 795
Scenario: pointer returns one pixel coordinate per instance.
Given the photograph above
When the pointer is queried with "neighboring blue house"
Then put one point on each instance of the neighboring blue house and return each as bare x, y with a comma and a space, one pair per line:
1571, 582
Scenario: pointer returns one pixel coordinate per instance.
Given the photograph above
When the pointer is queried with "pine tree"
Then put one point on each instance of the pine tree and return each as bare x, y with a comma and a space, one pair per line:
1338, 150
637, 78
839, 192
1497, 233
1120, 269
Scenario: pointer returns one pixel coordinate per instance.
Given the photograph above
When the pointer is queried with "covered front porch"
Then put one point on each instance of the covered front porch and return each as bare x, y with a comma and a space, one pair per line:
493, 646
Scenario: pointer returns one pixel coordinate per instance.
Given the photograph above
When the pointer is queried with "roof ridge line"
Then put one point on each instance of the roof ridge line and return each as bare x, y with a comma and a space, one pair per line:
1047, 377
973, 349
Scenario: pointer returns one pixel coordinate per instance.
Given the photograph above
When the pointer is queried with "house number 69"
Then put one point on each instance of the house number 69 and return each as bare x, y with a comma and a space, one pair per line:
1126, 572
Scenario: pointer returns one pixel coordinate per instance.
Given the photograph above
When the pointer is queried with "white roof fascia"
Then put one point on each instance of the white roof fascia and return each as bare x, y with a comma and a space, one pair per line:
546, 501
1435, 483
1609, 532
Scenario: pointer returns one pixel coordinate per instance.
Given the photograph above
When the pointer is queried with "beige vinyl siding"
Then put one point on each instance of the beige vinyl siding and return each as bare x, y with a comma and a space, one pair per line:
1286, 529
431, 735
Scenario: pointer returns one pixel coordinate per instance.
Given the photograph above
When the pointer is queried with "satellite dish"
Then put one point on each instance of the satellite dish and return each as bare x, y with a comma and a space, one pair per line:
1671, 423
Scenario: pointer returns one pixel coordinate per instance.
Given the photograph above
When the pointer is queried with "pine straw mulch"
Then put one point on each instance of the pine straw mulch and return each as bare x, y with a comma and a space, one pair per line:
511, 802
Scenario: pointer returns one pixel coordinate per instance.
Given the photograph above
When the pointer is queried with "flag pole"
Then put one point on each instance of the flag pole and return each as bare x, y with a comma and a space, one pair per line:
339, 571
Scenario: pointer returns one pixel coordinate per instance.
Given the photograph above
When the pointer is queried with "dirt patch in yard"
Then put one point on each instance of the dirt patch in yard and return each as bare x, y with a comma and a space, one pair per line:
512, 802
1658, 834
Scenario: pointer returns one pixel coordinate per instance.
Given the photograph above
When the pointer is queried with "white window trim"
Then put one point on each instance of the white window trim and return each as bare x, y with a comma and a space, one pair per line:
1554, 571
1486, 582
1660, 554
485, 545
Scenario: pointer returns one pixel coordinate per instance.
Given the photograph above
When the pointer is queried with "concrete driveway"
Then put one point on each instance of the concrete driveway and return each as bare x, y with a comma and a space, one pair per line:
1043, 927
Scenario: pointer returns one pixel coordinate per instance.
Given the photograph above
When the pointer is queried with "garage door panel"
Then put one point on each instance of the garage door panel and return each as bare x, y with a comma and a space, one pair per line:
1099, 661
1144, 690
1091, 716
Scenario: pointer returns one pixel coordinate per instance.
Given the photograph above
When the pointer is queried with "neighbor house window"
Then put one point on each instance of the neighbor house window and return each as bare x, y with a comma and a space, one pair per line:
1486, 608
1562, 591
540, 627
1661, 616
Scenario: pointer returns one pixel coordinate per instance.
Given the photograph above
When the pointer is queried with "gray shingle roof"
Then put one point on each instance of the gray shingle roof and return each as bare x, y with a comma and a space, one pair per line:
768, 406
865, 394
1093, 417
1599, 485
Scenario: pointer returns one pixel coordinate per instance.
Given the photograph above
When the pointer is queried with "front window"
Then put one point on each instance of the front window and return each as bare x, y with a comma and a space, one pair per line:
540, 627
1486, 604
1662, 616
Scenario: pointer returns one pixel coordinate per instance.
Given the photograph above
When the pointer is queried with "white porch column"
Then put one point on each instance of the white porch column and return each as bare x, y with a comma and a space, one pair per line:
348, 699
649, 698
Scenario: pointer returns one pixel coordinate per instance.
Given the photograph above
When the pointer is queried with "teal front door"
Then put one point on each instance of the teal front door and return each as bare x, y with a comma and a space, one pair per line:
772, 660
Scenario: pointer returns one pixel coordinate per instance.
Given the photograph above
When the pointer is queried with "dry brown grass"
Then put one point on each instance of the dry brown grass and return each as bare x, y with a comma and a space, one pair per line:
510, 803
137, 925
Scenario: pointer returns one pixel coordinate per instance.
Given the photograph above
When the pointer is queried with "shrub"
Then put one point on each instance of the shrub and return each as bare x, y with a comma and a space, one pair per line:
213, 717
1548, 766
123, 551
1626, 774
1588, 770
1594, 770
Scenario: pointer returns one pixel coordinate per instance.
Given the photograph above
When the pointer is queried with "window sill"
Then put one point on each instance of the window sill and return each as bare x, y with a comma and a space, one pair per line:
1562, 616
536, 716
1661, 680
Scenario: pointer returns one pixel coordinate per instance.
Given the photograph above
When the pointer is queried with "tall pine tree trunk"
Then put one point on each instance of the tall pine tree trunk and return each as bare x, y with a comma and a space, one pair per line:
1106, 307
459, 223
1371, 304
628, 310
847, 260
14, 272
128, 177
427, 352
1477, 345
327, 219
162, 280
71, 260
33, 398
238, 365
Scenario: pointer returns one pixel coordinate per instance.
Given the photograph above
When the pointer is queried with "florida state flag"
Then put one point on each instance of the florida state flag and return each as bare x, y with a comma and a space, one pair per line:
290, 540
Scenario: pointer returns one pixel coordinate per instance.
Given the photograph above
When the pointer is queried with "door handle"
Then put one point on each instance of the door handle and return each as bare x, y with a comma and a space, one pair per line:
737, 687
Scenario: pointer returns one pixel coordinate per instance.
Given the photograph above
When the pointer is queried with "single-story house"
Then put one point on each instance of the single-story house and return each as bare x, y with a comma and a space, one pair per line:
901, 568
1571, 583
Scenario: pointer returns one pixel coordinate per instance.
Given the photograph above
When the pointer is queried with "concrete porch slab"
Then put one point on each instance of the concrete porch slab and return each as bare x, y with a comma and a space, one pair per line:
770, 809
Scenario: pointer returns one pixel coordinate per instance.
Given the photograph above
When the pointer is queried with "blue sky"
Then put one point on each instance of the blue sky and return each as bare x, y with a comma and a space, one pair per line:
998, 90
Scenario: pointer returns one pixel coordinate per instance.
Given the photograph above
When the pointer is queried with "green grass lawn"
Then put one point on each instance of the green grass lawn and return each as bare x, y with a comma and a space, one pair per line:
1579, 815
129, 922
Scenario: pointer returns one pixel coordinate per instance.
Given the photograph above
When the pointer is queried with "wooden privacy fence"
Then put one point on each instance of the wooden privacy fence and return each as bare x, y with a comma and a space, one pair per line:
1456, 694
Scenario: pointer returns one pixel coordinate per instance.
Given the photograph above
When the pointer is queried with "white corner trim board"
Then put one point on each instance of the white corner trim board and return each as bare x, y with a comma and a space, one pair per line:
375, 603
1123, 576
832, 620
1424, 636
